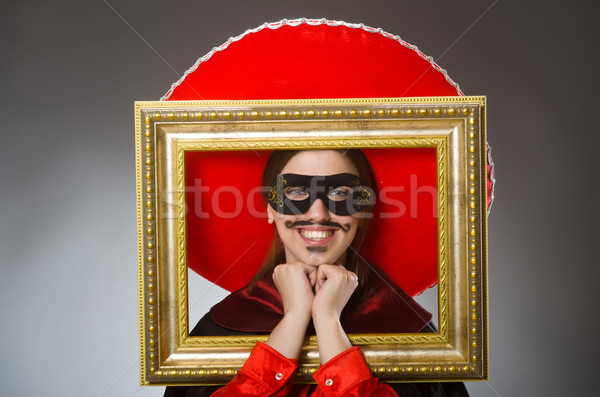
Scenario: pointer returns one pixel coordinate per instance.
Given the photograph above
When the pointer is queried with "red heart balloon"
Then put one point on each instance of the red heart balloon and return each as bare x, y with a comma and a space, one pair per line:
311, 59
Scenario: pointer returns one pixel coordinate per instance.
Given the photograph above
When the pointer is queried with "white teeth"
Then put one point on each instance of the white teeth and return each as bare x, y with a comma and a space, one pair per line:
316, 235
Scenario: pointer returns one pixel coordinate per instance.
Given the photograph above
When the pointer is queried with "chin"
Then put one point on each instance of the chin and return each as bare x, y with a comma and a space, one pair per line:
316, 258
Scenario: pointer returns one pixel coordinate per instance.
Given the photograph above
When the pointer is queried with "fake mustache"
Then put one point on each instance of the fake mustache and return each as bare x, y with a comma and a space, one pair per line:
344, 228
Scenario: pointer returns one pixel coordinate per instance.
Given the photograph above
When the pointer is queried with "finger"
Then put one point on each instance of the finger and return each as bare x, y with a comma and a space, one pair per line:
312, 278
308, 269
352, 276
326, 272
321, 276
337, 275
276, 272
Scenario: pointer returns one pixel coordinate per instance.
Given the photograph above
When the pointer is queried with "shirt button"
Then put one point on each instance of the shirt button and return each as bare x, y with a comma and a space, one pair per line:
279, 376
328, 382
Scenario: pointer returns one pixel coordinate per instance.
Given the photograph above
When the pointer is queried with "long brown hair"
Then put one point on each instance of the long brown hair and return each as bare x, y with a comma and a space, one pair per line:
354, 261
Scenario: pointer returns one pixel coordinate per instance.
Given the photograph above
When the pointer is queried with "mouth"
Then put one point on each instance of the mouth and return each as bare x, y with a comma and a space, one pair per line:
316, 237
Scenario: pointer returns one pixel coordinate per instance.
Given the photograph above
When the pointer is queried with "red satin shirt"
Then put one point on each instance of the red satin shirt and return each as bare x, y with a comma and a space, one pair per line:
268, 373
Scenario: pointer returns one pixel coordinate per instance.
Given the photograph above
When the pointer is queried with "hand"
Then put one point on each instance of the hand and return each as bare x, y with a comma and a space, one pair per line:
333, 288
294, 282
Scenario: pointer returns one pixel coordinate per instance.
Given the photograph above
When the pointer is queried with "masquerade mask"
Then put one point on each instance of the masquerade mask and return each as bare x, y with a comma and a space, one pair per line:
342, 194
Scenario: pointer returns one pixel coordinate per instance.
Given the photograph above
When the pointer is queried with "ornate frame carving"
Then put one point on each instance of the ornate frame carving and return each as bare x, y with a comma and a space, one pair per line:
455, 126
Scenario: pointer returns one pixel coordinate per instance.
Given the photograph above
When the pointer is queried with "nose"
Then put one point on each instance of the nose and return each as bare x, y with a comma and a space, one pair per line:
318, 211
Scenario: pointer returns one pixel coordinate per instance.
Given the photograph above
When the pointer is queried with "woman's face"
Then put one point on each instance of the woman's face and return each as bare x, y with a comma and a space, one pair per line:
318, 236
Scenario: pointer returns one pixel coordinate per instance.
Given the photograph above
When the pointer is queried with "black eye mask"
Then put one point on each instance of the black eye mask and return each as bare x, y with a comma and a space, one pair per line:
342, 194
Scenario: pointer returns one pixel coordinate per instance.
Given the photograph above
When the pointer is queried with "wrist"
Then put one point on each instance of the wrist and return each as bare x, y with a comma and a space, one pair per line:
331, 338
288, 335
326, 319
327, 314
299, 318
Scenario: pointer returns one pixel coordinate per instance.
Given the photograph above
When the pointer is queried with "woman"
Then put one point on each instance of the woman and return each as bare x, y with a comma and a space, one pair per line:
314, 280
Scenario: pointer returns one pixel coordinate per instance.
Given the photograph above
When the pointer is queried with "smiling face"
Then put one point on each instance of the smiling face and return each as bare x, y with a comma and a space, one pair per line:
316, 236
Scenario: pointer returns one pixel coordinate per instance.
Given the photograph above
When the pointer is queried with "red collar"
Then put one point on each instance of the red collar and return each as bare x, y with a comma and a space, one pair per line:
259, 309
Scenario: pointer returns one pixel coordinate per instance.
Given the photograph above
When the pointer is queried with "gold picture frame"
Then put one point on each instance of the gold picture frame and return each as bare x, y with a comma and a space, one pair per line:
454, 126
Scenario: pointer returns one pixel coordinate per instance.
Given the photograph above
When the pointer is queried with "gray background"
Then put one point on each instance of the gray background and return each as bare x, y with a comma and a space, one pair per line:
70, 72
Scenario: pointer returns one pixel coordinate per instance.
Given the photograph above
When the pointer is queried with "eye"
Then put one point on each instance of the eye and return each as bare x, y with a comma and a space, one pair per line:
295, 192
339, 194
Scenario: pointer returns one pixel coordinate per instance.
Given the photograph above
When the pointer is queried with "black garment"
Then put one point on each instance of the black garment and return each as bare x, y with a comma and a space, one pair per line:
206, 326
